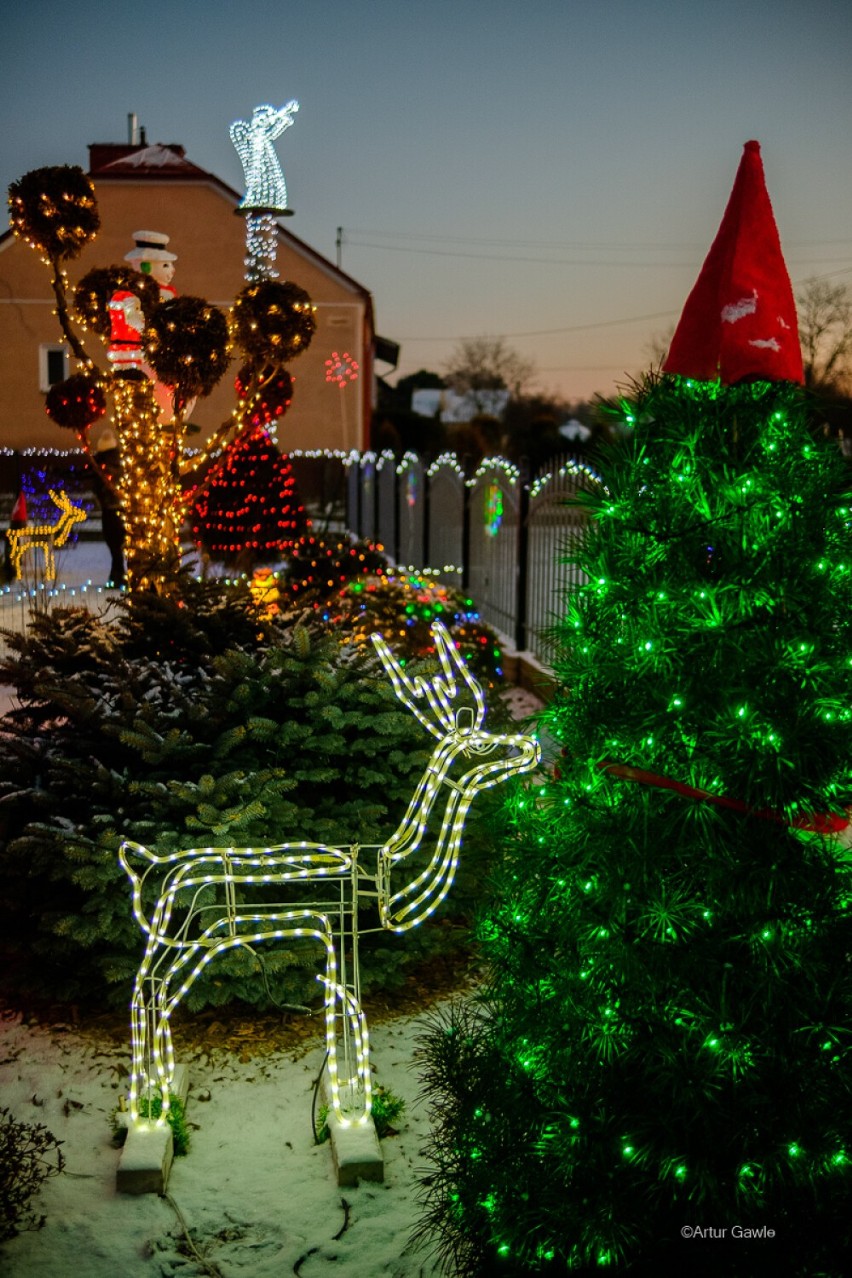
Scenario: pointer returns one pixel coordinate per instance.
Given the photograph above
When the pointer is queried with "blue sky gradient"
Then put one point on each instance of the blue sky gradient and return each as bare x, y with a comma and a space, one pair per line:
552, 172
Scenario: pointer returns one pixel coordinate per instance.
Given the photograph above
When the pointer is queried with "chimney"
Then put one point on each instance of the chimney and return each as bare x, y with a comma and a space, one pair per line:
132, 128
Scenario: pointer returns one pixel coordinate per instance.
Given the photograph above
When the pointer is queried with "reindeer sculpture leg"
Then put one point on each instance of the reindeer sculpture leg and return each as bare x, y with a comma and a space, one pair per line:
174, 958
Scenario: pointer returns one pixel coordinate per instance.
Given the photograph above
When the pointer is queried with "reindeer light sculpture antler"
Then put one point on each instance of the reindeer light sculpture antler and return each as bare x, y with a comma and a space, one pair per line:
459, 727
214, 899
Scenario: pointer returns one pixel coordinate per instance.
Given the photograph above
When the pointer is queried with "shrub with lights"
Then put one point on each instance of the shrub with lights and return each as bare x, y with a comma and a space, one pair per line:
664, 1047
402, 605
190, 717
76, 403
273, 321
319, 571
352, 587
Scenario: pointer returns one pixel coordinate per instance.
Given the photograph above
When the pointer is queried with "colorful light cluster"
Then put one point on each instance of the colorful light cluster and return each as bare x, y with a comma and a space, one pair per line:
319, 571
403, 605
189, 927
493, 512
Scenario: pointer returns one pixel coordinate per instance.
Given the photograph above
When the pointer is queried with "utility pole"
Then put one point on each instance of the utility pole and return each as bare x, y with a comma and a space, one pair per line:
339, 243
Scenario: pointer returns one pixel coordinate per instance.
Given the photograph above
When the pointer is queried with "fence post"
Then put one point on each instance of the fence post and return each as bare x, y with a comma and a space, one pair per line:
466, 509
523, 558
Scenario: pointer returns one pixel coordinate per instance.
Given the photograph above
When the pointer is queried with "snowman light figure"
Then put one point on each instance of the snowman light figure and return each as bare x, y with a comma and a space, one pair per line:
150, 257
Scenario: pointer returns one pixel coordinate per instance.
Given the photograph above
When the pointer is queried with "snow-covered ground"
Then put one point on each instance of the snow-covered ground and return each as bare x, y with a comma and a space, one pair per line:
258, 1197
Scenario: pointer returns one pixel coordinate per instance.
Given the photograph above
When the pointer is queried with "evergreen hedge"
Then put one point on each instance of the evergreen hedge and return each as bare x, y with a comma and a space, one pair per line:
186, 720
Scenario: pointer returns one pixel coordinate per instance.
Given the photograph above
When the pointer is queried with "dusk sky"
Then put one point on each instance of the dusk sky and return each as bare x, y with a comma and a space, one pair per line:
550, 171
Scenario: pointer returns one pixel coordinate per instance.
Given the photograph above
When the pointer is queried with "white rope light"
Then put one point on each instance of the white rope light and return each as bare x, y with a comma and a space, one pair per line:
204, 906
575, 469
266, 191
253, 139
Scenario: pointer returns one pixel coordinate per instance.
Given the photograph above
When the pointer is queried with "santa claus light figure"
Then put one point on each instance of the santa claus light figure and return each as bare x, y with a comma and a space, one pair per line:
151, 257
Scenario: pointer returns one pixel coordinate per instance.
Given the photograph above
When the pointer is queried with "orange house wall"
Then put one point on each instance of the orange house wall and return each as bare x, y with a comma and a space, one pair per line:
209, 240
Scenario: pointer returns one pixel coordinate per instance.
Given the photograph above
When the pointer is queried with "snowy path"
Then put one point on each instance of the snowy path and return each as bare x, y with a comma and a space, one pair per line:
256, 1193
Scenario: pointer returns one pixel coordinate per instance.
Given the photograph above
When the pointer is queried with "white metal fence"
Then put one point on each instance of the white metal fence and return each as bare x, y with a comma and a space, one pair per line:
502, 537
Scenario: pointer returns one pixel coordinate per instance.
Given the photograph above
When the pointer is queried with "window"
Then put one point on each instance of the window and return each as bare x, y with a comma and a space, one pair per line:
53, 364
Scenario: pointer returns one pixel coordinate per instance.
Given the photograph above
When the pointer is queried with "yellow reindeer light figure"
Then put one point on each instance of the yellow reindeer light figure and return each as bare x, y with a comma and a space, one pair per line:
214, 899
45, 537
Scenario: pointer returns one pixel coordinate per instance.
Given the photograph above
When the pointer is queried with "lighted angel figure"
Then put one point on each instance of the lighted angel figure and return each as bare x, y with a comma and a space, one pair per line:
253, 139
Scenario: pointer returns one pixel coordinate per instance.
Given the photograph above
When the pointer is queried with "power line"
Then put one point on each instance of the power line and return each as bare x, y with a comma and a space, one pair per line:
613, 323
516, 242
516, 257
571, 328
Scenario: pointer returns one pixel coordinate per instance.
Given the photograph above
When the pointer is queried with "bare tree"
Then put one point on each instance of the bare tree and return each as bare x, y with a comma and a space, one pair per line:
657, 346
825, 333
478, 366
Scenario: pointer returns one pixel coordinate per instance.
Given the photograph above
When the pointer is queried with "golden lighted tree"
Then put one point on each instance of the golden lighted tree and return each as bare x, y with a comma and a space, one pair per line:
185, 347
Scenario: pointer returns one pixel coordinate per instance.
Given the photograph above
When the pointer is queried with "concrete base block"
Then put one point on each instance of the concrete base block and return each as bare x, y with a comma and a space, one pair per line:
355, 1149
146, 1158
356, 1152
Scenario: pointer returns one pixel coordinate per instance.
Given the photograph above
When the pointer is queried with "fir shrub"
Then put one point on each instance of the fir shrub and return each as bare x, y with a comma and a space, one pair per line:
190, 719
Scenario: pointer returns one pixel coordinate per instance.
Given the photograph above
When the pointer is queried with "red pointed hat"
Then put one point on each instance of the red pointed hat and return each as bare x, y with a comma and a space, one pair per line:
19, 511
739, 322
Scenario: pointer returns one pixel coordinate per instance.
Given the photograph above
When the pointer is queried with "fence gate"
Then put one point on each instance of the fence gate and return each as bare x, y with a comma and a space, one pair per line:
495, 520
411, 512
554, 528
447, 494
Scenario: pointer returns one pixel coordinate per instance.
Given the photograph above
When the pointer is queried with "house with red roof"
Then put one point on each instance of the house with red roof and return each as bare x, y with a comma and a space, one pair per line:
157, 187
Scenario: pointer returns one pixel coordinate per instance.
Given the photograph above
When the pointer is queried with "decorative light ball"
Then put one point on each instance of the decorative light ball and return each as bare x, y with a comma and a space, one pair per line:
273, 321
187, 345
92, 295
273, 397
54, 209
76, 403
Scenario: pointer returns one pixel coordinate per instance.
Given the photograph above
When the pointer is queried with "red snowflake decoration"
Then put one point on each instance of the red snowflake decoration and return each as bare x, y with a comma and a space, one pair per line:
341, 369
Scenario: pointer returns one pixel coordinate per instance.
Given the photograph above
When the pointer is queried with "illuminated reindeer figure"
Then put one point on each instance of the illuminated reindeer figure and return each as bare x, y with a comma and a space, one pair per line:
45, 537
333, 877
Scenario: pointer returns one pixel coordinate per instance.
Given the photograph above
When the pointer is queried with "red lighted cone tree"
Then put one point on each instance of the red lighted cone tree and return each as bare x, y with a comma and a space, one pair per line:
249, 510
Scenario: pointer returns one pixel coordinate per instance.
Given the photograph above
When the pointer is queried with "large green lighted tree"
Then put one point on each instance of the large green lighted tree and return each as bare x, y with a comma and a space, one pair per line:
665, 1046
